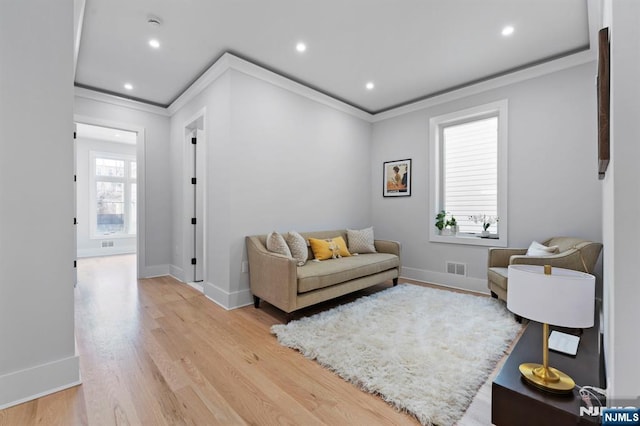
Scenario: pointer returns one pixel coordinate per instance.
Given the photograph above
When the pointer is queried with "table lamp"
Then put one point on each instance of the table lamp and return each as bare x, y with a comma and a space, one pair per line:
560, 297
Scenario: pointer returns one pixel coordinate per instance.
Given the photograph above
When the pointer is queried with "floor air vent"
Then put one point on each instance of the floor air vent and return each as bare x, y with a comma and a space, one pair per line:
107, 244
456, 268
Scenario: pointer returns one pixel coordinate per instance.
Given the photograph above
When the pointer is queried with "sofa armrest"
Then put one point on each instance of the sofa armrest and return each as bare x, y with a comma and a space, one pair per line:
569, 259
387, 246
272, 276
499, 257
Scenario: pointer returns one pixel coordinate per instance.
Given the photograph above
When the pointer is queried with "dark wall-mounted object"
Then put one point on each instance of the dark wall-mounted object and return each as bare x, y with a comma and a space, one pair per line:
603, 101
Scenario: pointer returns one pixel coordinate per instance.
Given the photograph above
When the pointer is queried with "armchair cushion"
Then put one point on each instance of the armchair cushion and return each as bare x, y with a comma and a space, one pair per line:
537, 249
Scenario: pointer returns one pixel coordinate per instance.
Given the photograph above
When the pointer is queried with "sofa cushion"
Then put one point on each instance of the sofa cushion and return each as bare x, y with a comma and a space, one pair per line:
498, 276
298, 247
361, 241
316, 275
330, 248
275, 243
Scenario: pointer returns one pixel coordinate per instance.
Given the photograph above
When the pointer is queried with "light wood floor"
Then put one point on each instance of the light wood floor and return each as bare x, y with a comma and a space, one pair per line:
157, 352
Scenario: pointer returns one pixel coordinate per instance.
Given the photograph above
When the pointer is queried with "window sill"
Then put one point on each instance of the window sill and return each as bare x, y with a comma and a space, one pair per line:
469, 239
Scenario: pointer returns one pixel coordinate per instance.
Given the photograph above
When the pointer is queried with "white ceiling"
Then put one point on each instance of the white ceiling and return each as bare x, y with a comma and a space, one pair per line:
410, 49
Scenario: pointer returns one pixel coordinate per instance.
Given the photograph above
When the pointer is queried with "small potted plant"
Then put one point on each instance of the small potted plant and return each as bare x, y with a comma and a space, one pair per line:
486, 221
453, 225
441, 221
446, 226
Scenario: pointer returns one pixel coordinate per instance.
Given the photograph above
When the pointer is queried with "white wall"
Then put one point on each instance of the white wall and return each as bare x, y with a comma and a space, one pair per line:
86, 245
276, 161
552, 183
154, 237
622, 204
37, 350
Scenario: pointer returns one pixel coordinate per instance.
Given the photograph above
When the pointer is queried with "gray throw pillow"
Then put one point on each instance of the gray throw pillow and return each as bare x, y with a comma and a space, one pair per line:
298, 247
277, 244
361, 241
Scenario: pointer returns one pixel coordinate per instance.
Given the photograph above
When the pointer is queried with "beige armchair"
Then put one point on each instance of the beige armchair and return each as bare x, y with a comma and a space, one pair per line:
573, 253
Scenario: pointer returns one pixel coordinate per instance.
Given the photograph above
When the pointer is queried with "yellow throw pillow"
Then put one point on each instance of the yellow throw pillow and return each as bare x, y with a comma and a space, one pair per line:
330, 248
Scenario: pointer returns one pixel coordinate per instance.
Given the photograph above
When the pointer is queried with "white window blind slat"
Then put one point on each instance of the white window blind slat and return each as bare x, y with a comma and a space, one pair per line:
470, 171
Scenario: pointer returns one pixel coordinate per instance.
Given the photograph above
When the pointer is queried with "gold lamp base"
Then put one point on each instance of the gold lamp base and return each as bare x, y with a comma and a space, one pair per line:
547, 378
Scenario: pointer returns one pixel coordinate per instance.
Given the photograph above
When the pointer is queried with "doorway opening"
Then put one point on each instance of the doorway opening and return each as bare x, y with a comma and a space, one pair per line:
108, 188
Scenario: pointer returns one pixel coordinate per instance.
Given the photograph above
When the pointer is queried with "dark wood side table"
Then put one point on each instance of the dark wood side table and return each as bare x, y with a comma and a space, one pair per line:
515, 402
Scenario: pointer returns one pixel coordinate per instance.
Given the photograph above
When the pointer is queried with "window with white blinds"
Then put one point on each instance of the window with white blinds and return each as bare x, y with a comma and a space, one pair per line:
470, 173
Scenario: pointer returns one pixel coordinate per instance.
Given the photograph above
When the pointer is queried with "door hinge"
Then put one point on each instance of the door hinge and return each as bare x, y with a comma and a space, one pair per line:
75, 221
74, 135
75, 178
193, 181
193, 260
193, 141
75, 263
193, 220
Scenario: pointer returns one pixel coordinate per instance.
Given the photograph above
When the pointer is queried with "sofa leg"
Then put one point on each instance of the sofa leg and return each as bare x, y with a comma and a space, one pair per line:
494, 295
395, 282
256, 302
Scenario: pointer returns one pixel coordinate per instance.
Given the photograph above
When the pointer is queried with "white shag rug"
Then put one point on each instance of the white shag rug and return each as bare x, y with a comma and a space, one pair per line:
423, 350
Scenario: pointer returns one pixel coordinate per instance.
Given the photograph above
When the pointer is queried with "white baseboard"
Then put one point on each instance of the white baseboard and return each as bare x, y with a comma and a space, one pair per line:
233, 300
177, 273
476, 285
155, 271
35, 382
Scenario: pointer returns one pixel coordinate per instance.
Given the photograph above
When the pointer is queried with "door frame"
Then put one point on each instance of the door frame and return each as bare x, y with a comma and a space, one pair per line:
141, 182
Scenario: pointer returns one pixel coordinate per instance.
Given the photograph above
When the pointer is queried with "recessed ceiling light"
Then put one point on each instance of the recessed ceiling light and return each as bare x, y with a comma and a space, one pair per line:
154, 43
128, 86
370, 85
507, 31
301, 47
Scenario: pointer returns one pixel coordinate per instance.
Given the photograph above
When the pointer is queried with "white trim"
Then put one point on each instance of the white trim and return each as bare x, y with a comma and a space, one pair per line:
141, 180
475, 285
155, 271
82, 92
227, 300
229, 61
494, 83
435, 123
35, 382
177, 273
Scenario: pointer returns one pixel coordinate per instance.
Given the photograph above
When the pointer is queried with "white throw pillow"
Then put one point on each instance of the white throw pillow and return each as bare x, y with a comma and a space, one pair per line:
537, 249
298, 247
277, 244
361, 241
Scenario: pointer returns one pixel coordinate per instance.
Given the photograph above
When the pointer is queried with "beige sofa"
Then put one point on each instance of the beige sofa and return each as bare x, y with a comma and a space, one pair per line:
277, 279
573, 253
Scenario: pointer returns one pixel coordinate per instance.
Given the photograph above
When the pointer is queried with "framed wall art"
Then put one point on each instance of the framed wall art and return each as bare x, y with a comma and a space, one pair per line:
603, 102
397, 178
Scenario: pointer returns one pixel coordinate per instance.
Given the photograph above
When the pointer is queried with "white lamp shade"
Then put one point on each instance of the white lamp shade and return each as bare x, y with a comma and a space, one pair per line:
564, 298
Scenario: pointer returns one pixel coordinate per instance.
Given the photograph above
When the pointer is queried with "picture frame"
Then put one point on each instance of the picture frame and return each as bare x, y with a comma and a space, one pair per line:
396, 178
603, 101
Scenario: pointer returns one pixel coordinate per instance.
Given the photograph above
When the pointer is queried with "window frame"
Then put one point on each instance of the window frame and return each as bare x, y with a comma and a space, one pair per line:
127, 180
436, 125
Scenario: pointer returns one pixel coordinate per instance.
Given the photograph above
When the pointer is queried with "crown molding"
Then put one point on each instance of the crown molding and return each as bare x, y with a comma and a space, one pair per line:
229, 61
550, 67
82, 92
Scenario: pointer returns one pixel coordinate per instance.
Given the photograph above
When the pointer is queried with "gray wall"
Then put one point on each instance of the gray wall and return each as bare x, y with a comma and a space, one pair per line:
37, 352
552, 182
276, 161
